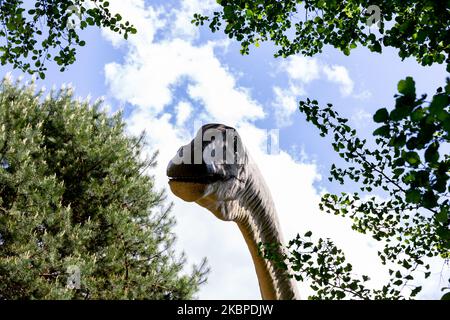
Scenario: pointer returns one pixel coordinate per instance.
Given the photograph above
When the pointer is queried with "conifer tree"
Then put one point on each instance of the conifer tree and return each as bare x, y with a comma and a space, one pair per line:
79, 214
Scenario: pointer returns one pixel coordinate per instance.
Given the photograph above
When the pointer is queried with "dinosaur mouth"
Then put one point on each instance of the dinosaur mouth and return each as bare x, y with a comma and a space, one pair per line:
197, 179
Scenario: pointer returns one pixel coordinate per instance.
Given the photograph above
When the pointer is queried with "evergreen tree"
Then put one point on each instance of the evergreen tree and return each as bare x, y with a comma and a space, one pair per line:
79, 216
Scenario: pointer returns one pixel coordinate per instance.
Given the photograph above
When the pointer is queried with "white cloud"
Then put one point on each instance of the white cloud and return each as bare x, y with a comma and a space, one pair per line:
301, 71
183, 111
340, 76
182, 26
152, 71
147, 20
360, 117
147, 78
305, 70
285, 103
363, 95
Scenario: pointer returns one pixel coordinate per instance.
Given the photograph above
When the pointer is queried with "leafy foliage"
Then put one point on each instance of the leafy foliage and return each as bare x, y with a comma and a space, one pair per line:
325, 266
409, 167
31, 36
74, 193
406, 164
417, 28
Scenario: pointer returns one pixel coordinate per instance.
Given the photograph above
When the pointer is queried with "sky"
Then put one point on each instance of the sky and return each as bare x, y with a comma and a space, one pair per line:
171, 77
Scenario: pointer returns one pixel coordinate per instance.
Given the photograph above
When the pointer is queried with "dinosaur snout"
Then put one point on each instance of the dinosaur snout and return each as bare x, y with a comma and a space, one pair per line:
189, 180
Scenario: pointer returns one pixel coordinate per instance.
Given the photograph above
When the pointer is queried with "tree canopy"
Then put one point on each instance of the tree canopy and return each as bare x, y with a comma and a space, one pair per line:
79, 215
49, 29
417, 28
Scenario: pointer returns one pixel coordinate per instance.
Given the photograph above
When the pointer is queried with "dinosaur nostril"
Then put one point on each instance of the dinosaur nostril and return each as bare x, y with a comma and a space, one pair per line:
180, 152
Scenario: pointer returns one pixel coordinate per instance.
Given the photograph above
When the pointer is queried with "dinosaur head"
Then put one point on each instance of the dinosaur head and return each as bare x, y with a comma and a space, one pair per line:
210, 170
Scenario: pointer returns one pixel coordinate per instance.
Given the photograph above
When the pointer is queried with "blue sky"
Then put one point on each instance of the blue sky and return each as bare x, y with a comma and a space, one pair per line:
172, 74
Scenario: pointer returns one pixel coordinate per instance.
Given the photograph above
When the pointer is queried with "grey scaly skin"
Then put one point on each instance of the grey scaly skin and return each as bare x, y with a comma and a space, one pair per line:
215, 171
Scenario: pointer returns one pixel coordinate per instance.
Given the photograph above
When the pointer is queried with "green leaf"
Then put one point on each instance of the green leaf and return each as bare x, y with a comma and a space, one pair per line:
353, 286
381, 115
443, 232
416, 290
411, 157
228, 11
439, 102
413, 143
398, 141
400, 112
413, 196
442, 216
376, 47
432, 154
407, 87
446, 296
429, 199
383, 131
417, 114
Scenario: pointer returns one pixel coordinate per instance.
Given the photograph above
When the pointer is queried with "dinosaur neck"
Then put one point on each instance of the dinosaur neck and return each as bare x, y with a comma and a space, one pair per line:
258, 222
